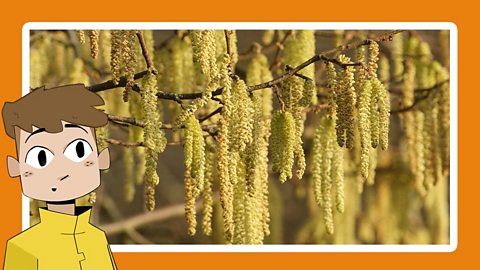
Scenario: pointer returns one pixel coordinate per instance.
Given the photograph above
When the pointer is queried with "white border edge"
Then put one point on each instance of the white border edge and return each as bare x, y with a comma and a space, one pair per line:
279, 25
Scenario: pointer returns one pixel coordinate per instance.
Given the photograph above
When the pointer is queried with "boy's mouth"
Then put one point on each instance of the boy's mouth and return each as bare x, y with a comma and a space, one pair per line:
54, 189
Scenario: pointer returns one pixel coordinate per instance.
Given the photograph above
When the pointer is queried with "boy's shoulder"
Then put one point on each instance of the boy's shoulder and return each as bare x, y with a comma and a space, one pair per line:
28, 239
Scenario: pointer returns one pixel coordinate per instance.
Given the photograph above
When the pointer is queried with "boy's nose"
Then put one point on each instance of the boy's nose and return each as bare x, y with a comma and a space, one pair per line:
63, 178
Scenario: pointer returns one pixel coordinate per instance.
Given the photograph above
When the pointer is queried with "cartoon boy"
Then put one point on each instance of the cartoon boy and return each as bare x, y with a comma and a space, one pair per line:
58, 162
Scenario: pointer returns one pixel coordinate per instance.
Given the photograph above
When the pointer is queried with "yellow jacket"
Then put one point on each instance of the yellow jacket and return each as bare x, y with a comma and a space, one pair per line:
60, 241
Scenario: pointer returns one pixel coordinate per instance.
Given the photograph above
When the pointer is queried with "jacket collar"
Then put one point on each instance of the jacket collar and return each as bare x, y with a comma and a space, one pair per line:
65, 223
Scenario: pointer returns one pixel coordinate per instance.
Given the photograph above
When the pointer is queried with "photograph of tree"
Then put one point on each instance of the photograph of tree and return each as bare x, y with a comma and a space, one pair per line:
263, 136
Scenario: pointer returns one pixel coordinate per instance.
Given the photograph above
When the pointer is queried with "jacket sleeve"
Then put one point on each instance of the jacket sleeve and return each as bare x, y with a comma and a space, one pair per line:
18, 258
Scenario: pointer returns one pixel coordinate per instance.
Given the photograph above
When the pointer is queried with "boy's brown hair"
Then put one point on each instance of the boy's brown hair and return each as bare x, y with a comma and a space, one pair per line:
46, 108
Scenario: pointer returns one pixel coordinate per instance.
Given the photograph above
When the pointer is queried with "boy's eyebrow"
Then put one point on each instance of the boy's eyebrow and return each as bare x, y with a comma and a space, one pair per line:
66, 125
75, 126
35, 132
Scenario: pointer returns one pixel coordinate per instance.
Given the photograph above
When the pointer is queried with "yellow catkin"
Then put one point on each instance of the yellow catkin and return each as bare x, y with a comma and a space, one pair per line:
92, 197
129, 178
123, 57
283, 143
267, 37
332, 86
223, 165
58, 60
221, 46
383, 109
116, 53
239, 200
384, 70
397, 57
194, 146
337, 175
323, 162
105, 48
207, 205
129, 59
81, 36
204, 51
257, 155
77, 73
36, 69
345, 100
408, 118
420, 153
364, 126
372, 165
135, 134
154, 138
338, 37
242, 120
94, 35
295, 93
372, 59
444, 42
443, 114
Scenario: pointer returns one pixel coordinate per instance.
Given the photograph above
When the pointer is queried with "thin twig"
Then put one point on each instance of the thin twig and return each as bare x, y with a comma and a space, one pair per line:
125, 120
280, 45
122, 143
149, 217
121, 83
218, 110
145, 53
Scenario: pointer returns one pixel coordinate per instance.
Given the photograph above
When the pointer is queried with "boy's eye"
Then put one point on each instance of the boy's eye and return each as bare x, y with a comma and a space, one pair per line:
39, 157
78, 150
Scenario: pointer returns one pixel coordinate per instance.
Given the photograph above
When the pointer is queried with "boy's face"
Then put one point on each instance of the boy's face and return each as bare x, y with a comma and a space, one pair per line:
59, 166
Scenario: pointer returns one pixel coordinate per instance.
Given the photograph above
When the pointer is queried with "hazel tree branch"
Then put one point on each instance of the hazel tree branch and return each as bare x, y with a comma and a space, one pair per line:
322, 56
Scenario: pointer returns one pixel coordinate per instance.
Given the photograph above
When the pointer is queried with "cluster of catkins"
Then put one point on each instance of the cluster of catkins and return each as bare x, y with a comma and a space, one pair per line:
120, 50
295, 94
373, 107
242, 152
426, 128
358, 103
327, 158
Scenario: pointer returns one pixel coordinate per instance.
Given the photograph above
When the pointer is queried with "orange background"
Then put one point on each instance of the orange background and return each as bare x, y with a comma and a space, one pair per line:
464, 16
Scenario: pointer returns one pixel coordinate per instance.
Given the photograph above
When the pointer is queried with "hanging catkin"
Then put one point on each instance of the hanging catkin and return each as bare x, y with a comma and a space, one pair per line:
204, 51
267, 37
226, 186
257, 152
194, 146
154, 138
443, 114
408, 118
93, 35
207, 209
123, 57
296, 94
397, 57
327, 170
221, 46
81, 36
383, 120
364, 126
345, 100
282, 143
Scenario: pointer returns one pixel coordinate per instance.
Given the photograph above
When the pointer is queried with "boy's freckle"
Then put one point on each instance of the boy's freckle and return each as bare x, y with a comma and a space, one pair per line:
27, 174
89, 163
